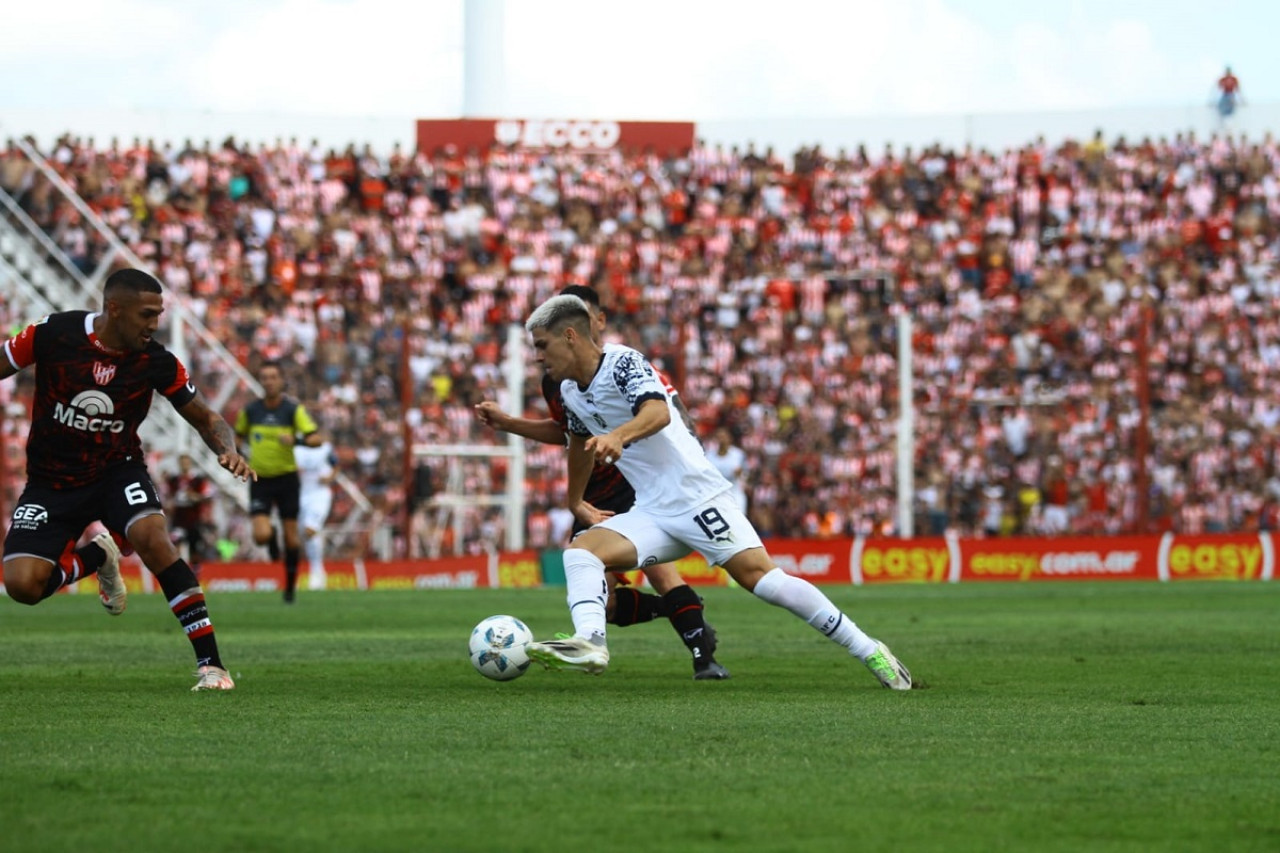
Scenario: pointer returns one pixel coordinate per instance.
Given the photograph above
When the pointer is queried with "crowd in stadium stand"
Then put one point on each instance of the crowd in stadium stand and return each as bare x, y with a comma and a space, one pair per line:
769, 290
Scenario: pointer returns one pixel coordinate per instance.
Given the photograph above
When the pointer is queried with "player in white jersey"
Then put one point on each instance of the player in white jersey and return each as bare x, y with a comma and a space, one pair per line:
315, 499
620, 411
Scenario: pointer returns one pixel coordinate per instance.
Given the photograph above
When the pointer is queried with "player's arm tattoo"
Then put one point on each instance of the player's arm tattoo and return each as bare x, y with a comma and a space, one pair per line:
684, 414
213, 429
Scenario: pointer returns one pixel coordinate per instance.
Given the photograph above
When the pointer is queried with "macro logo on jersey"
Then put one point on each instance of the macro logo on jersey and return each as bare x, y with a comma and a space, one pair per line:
89, 411
29, 517
103, 373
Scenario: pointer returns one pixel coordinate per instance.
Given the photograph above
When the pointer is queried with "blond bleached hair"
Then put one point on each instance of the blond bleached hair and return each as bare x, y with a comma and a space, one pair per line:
558, 312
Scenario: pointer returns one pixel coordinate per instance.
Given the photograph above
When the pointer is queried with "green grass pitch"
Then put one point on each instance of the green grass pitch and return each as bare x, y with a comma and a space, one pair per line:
1054, 717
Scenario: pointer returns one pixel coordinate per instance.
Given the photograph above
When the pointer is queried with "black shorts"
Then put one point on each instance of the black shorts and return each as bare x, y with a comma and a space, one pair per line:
48, 520
623, 499
281, 492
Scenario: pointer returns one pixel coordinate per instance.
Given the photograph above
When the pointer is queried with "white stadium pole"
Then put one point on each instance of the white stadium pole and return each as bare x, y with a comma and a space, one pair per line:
906, 431
515, 503
483, 63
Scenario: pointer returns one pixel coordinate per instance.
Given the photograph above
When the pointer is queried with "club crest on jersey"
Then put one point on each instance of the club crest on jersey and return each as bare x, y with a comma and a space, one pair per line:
103, 373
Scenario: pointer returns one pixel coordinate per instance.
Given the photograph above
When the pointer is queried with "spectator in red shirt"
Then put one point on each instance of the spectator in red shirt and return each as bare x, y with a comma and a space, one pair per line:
1228, 94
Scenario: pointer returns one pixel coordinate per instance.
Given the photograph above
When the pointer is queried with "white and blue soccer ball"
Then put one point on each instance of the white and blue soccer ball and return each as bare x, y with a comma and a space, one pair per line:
498, 647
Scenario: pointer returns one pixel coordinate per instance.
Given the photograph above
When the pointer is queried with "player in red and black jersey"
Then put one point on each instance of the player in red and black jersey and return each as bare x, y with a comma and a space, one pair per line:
95, 375
190, 494
609, 492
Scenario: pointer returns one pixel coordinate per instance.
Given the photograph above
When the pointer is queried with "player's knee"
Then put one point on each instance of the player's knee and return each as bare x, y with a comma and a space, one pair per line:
24, 590
586, 553
154, 545
663, 578
749, 567
25, 580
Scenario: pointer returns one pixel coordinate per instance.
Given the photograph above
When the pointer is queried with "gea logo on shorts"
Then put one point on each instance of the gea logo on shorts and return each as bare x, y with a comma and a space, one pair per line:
557, 134
86, 412
30, 516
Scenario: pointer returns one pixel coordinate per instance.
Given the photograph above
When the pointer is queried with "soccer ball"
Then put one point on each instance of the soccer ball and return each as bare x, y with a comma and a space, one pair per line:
498, 647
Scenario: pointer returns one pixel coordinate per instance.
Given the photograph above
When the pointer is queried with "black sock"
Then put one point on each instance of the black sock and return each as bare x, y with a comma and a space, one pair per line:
631, 606
186, 600
273, 544
686, 617
73, 567
290, 570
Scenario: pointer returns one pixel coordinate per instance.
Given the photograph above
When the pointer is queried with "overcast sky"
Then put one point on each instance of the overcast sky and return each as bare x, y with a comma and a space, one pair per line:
657, 59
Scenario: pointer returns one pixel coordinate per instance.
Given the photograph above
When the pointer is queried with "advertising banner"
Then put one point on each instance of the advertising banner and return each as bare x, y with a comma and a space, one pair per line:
665, 138
249, 577
1171, 557
1222, 556
444, 573
519, 569
1074, 558
819, 561
441, 573
925, 560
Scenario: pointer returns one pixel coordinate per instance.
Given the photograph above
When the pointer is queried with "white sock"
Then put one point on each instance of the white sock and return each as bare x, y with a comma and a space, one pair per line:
807, 601
315, 555
314, 549
584, 577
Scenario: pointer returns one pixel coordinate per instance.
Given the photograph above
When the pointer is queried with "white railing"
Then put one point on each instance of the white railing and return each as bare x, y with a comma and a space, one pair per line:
51, 277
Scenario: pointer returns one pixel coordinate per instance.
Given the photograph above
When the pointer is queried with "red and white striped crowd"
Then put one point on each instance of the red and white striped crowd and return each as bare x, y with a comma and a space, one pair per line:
1039, 279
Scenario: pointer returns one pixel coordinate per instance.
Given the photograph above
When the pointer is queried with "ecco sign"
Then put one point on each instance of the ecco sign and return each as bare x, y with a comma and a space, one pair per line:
581, 135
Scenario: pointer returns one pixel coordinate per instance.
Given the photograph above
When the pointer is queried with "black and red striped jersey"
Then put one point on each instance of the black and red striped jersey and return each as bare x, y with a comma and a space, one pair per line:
89, 400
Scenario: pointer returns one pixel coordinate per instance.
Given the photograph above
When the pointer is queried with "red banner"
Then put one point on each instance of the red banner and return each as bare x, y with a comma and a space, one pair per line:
818, 561
666, 138
519, 569
1243, 556
1075, 558
441, 573
1225, 556
253, 577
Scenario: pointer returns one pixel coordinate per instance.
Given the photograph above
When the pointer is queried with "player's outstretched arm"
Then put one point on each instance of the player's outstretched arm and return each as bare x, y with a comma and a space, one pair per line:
217, 436
581, 463
6, 369
545, 430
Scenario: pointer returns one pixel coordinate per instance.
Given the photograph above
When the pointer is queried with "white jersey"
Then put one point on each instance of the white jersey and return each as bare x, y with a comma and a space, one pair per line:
669, 469
730, 462
315, 464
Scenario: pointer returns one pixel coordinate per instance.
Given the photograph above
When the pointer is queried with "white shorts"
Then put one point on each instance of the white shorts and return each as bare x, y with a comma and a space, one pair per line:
717, 529
313, 509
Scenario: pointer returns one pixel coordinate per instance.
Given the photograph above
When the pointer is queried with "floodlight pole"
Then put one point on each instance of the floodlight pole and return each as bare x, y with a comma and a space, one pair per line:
906, 454
514, 505
484, 59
